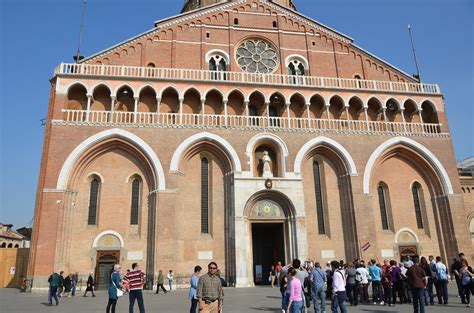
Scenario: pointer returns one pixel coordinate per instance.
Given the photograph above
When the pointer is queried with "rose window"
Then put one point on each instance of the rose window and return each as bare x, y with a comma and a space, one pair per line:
257, 56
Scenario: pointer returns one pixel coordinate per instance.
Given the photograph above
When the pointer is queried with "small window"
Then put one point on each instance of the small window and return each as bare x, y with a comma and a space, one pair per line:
275, 24
314, 43
383, 206
236, 21
93, 202
208, 35
135, 202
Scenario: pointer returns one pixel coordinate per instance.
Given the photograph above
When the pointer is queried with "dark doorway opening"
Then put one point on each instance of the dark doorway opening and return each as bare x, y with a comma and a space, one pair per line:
268, 243
104, 266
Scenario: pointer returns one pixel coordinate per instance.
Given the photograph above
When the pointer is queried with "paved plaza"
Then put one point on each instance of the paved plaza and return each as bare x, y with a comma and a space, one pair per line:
262, 299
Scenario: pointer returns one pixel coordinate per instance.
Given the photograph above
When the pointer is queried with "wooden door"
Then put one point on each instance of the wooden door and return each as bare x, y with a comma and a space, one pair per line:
104, 266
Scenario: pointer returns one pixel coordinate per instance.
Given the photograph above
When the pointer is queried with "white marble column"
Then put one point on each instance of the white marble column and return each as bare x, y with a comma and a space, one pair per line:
135, 109
89, 101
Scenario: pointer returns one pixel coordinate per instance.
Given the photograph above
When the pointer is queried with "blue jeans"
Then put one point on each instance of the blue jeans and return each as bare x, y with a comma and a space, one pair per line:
285, 299
53, 293
319, 299
339, 301
418, 300
138, 295
429, 292
296, 307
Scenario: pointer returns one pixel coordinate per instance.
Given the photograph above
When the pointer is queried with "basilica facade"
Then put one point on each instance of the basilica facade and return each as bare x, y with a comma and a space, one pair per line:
245, 133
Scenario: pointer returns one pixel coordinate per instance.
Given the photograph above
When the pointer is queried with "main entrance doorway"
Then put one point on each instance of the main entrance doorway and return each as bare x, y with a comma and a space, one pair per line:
104, 265
268, 242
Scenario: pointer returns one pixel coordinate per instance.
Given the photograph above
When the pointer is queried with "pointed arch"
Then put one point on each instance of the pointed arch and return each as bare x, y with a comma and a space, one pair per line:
90, 142
310, 145
410, 143
255, 140
205, 137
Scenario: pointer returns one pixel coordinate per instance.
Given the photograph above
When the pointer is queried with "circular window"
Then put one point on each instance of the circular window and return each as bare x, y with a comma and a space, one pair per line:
257, 56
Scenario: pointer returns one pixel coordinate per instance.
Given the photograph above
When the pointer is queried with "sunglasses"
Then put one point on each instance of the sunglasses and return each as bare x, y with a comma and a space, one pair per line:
213, 268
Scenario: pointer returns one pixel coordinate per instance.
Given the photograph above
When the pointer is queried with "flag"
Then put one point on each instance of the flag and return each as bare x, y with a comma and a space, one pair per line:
366, 246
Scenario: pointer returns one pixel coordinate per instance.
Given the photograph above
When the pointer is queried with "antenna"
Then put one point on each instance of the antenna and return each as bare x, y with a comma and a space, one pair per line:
418, 76
78, 55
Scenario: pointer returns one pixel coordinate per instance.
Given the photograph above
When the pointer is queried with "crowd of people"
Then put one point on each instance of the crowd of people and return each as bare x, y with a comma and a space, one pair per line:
417, 281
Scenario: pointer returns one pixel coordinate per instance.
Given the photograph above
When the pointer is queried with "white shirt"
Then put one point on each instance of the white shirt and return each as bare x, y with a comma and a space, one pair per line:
365, 275
338, 281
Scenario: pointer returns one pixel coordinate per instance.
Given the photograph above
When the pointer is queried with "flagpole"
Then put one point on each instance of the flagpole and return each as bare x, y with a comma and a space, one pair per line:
78, 56
414, 54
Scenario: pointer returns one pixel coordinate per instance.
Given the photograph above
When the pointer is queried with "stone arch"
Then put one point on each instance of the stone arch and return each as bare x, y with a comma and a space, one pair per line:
77, 97
105, 233
410, 143
122, 86
191, 101
92, 141
406, 231
235, 104
268, 137
313, 143
218, 141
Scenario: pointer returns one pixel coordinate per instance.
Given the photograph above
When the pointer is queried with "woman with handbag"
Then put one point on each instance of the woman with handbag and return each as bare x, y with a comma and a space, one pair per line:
467, 277
115, 289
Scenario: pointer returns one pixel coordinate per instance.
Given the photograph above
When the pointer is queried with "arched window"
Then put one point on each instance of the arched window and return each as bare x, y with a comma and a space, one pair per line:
296, 68
17, 246
382, 191
10, 245
93, 201
3, 245
319, 197
135, 202
217, 63
416, 191
204, 196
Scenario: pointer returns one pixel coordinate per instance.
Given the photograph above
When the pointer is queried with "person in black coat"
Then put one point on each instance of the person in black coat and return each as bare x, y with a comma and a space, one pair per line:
90, 285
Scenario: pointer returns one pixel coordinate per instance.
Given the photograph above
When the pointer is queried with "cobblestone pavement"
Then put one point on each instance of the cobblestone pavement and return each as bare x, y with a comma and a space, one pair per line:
262, 299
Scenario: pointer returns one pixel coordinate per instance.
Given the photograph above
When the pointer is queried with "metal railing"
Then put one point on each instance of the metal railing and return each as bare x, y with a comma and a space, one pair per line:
242, 78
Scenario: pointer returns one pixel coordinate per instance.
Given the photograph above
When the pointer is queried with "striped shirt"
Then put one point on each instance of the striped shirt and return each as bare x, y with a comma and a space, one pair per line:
134, 279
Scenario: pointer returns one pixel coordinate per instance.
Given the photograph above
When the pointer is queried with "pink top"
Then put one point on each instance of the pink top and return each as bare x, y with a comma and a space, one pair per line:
295, 290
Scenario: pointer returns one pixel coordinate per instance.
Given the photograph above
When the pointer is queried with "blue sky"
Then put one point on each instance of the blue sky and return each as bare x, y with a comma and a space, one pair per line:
36, 35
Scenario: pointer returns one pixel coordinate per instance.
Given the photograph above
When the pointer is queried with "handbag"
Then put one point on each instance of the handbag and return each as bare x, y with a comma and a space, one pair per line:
119, 291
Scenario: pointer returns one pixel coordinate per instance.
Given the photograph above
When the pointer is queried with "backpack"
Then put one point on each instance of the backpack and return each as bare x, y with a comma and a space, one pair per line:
441, 272
358, 277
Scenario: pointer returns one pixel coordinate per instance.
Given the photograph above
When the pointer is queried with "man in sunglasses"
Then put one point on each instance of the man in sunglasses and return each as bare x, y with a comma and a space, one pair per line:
209, 291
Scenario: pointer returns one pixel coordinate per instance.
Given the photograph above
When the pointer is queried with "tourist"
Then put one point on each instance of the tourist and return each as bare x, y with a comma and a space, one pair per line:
74, 282
135, 279
338, 288
90, 285
428, 290
61, 284
159, 282
417, 278
54, 282
387, 285
395, 274
272, 275
329, 281
376, 278
67, 285
115, 289
351, 284
278, 269
405, 283
466, 275
284, 290
456, 268
209, 291
193, 288
318, 280
170, 277
441, 281
363, 277
295, 304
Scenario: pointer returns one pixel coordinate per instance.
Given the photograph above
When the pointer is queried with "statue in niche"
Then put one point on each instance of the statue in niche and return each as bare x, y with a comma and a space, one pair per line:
266, 160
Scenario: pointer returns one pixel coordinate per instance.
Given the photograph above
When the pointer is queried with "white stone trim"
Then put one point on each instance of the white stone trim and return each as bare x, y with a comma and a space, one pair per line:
408, 230
298, 57
273, 138
108, 232
202, 137
107, 134
346, 156
427, 154
220, 52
